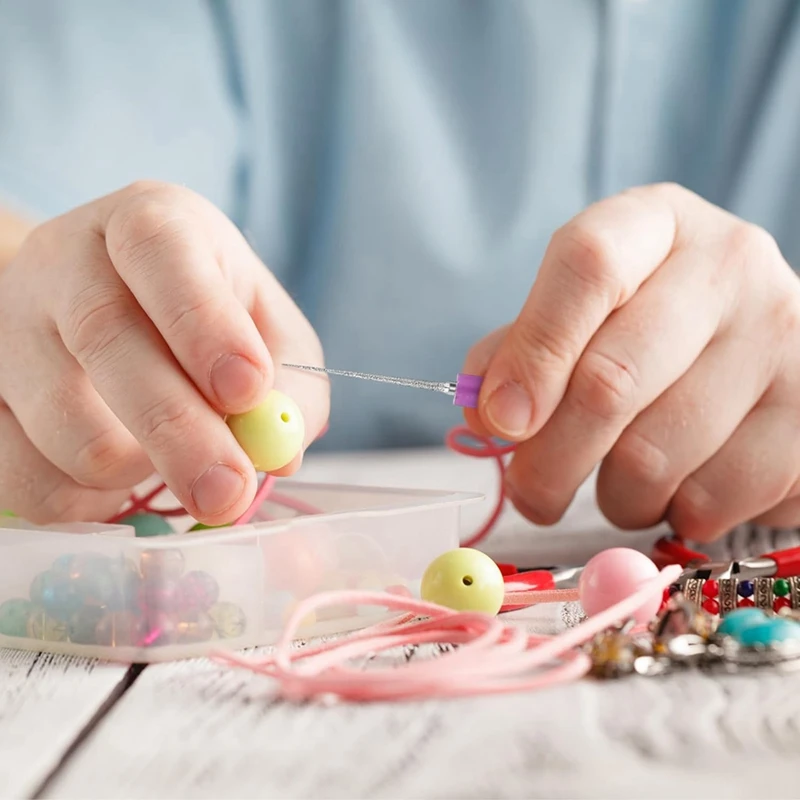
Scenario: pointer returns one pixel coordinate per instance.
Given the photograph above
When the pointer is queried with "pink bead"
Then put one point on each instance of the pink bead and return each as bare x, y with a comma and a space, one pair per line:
612, 576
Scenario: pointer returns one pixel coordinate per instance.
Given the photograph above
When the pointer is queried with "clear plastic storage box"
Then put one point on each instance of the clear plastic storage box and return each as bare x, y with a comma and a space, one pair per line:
99, 591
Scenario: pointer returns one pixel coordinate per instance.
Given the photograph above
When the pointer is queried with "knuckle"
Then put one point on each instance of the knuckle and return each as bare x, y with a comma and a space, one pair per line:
751, 242
186, 314
694, 511
102, 460
535, 339
591, 257
141, 227
96, 318
166, 422
635, 458
604, 387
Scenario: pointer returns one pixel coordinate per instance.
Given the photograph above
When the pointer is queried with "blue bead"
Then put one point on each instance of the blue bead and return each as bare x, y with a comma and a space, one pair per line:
769, 632
736, 621
745, 588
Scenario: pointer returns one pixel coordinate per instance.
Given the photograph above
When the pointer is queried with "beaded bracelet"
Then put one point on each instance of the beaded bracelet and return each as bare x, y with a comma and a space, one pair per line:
720, 597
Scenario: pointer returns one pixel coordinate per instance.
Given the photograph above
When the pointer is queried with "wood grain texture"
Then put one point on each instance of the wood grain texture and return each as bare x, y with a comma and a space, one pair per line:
196, 730
45, 703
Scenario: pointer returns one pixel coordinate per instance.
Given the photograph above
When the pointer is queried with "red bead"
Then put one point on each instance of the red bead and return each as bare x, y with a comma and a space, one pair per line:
781, 602
711, 605
745, 602
710, 588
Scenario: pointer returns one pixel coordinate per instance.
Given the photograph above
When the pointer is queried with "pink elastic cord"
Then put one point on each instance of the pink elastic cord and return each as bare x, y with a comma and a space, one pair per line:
462, 440
491, 657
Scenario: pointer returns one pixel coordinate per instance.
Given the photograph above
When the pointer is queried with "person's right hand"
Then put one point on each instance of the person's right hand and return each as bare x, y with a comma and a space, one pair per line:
128, 328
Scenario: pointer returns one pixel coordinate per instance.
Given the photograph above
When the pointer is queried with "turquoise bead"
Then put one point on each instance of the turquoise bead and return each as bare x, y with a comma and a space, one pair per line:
736, 621
147, 525
770, 631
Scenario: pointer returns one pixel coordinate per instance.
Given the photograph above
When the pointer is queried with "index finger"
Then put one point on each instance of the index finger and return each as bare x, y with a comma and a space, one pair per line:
593, 265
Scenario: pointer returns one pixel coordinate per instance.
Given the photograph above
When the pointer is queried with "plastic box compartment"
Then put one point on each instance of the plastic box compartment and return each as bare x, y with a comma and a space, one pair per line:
99, 591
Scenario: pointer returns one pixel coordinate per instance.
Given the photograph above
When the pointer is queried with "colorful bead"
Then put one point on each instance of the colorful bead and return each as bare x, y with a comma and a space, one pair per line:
229, 620
781, 587
780, 603
55, 593
119, 629
739, 619
711, 605
93, 581
45, 628
82, 625
198, 591
464, 580
745, 602
167, 564
711, 589
293, 563
272, 433
745, 588
147, 525
14, 617
613, 575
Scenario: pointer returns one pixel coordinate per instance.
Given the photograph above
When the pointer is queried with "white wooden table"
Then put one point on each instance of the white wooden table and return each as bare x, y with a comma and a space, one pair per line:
76, 729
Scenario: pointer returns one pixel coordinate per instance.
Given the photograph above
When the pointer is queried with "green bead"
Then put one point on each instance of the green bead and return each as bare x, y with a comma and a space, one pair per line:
736, 621
781, 587
272, 433
771, 631
198, 526
464, 580
147, 525
14, 617
229, 620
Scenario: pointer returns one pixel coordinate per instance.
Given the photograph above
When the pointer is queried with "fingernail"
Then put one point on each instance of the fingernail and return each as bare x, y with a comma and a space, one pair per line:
509, 409
217, 489
235, 380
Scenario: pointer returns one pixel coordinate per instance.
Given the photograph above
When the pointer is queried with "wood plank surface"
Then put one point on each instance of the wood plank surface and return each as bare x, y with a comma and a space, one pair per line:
45, 703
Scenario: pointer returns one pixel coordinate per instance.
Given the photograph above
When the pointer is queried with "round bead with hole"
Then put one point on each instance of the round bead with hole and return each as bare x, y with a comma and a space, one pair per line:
464, 580
272, 433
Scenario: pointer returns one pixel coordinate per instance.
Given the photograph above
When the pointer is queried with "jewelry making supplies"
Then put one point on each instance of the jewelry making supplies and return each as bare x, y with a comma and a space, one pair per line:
684, 636
464, 390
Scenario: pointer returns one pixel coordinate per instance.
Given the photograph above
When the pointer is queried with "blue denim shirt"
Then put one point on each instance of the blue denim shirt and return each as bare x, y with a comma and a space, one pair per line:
401, 164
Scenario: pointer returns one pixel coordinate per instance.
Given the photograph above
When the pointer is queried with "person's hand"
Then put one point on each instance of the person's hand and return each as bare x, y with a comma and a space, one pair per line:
661, 339
128, 328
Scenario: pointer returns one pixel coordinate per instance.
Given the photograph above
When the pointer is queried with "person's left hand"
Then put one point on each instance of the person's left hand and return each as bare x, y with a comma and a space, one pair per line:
662, 340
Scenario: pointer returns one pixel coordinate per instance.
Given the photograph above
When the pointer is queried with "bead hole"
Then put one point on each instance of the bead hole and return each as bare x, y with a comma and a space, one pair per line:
285, 416
467, 580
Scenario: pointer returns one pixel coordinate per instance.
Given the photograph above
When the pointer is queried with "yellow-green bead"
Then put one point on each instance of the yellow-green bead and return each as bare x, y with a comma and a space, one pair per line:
272, 433
464, 580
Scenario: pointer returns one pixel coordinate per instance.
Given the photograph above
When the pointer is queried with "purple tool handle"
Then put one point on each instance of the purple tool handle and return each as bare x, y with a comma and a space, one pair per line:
468, 388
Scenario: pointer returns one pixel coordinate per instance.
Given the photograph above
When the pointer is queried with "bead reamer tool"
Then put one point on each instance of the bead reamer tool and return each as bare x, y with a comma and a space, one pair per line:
464, 390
